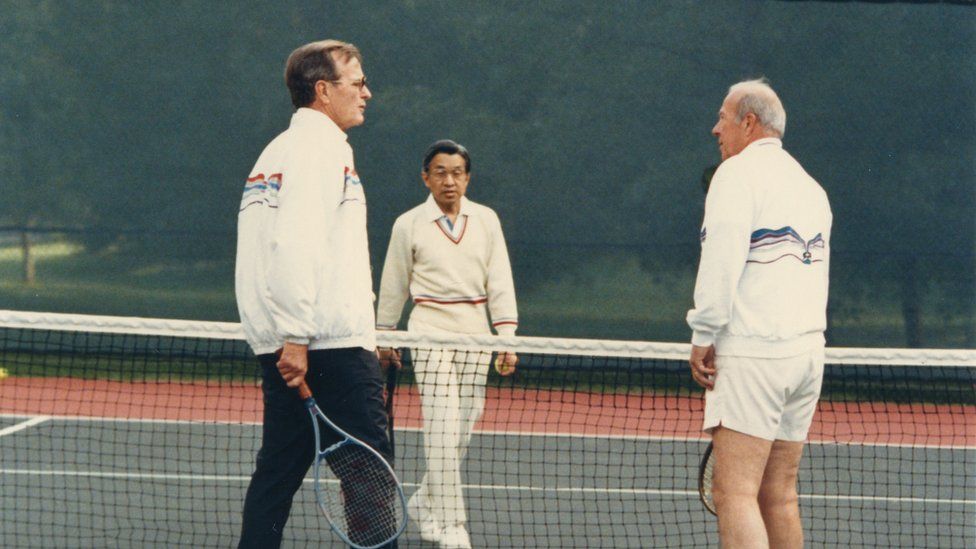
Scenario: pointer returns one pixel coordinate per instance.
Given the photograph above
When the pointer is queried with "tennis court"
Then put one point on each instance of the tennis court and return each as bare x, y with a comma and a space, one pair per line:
121, 441
581, 450
504, 510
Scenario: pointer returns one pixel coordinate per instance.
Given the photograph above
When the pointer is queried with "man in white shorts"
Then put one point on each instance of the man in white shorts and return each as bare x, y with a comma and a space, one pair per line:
449, 255
759, 318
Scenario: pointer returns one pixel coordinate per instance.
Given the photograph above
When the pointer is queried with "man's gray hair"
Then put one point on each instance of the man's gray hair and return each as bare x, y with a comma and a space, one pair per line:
313, 62
757, 97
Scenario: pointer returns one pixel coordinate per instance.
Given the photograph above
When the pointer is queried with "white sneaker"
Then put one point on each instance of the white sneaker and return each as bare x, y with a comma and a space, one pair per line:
455, 537
418, 507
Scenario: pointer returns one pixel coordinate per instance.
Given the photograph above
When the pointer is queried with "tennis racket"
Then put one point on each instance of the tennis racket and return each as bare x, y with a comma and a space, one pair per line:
356, 490
705, 470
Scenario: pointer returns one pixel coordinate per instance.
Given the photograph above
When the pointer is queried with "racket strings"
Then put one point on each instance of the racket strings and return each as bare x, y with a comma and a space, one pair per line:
705, 480
360, 494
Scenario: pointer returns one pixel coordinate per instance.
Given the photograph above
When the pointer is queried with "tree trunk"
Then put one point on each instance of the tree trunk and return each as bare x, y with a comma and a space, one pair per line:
911, 305
30, 269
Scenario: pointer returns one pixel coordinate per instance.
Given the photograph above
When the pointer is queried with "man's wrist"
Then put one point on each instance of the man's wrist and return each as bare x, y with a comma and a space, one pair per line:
295, 351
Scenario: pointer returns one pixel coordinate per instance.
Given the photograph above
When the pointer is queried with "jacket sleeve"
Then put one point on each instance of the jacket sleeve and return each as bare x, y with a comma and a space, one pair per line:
725, 239
827, 251
501, 287
311, 189
397, 270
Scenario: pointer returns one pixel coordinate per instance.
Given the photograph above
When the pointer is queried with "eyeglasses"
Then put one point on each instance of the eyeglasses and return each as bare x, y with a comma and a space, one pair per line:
360, 84
441, 174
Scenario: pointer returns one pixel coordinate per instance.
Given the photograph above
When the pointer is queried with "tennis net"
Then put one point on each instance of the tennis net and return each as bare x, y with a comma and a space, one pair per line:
129, 432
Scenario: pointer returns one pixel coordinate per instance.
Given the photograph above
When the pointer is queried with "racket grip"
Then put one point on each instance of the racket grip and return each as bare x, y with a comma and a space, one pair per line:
304, 392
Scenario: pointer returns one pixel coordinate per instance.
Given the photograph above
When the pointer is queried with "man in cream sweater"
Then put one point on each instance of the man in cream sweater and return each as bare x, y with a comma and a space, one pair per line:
449, 255
759, 318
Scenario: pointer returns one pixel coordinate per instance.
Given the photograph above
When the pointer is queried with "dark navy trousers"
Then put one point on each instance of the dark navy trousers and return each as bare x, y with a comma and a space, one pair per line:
348, 387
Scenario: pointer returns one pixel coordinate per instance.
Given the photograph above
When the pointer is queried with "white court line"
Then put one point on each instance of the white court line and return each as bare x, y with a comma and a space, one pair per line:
694, 493
889, 499
24, 424
703, 439
485, 487
640, 438
125, 476
136, 420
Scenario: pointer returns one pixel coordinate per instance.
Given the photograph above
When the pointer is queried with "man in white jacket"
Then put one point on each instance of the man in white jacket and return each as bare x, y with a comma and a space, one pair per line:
759, 318
303, 283
449, 254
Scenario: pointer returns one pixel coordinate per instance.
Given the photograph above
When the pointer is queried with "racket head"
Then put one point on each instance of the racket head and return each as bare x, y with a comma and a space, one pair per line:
705, 473
356, 489
359, 494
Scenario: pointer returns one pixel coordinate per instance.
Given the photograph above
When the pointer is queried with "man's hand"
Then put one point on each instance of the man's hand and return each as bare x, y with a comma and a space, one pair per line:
293, 363
505, 363
702, 363
389, 356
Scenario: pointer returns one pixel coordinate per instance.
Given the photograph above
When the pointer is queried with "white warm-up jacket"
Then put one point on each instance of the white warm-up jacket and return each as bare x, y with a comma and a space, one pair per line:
303, 272
762, 281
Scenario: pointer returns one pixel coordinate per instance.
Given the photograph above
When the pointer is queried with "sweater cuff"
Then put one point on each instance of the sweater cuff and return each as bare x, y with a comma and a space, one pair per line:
506, 328
702, 339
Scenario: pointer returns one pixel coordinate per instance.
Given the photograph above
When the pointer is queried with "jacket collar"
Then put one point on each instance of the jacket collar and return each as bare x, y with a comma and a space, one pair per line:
312, 118
764, 142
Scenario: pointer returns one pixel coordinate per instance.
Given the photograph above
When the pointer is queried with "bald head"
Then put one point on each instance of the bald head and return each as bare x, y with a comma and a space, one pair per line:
758, 98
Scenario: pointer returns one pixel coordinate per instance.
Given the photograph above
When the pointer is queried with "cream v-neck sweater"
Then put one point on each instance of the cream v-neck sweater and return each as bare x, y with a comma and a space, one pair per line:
456, 273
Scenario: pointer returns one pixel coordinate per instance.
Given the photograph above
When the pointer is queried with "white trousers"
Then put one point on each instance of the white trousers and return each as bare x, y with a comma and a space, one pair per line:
452, 395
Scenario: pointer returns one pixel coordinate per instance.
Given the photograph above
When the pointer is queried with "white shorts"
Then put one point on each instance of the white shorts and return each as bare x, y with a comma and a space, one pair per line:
769, 398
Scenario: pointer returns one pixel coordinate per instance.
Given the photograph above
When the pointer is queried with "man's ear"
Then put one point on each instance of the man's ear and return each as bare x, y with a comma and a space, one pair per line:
322, 89
752, 121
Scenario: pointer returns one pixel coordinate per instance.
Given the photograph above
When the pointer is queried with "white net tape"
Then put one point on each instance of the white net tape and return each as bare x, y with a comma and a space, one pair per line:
544, 345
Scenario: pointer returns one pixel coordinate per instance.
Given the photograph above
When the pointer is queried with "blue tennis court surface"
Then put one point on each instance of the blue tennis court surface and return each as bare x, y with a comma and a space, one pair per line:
119, 483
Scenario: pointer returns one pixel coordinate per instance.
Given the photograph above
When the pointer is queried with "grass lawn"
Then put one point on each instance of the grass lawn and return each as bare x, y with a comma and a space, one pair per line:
608, 296
69, 280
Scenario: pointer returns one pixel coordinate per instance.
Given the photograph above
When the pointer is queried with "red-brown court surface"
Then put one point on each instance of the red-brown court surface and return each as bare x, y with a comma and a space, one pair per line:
530, 411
